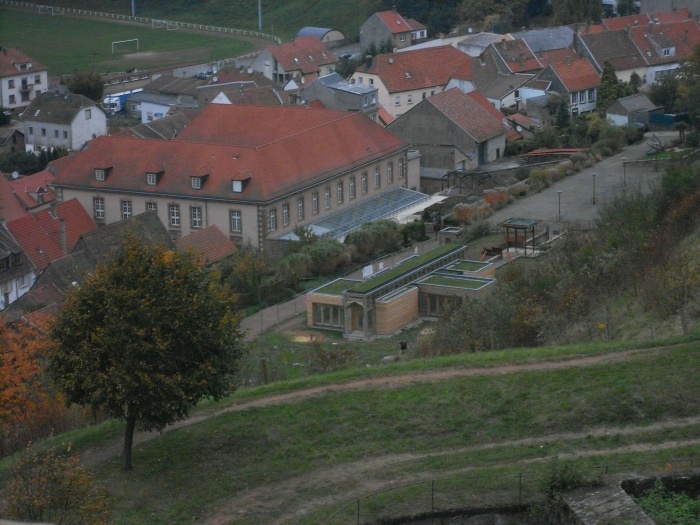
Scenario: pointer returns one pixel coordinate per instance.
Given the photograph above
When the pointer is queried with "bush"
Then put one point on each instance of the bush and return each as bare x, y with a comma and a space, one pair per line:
692, 139
540, 179
522, 173
519, 189
496, 198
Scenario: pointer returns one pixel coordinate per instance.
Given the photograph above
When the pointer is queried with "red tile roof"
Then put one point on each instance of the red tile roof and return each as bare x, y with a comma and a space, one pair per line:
418, 69
622, 22
577, 75
10, 60
684, 36
27, 188
386, 117
394, 21
10, 207
279, 149
210, 244
556, 55
305, 53
472, 112
522, 120
517, 55
678, 15
40, 235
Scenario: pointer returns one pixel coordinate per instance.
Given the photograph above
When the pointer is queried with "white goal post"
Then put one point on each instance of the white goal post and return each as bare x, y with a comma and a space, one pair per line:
131, 40
158, 24
48, 9
172, 26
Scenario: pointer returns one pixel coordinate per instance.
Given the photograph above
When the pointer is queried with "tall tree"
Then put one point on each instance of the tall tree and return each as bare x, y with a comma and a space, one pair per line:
609, 86
145, 338
577, 11
88, 83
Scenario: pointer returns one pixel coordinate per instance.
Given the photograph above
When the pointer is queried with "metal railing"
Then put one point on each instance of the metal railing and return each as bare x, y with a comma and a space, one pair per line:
469, 493
140, 19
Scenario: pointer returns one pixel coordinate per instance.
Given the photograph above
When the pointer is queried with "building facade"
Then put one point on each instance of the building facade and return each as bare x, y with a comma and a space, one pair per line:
21, 78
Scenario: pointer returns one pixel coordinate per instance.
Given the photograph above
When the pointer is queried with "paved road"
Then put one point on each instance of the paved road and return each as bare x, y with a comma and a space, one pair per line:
577, 190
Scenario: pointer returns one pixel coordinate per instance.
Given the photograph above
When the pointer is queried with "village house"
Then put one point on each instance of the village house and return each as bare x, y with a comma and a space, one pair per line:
334, 92
577, 80
256, 172
390, 27
68, 121
22, 79
304, 56
404, 79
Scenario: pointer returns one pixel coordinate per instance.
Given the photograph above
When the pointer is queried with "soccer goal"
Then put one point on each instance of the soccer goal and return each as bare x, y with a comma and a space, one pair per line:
124, 46
173, 26
50, 10
158, 24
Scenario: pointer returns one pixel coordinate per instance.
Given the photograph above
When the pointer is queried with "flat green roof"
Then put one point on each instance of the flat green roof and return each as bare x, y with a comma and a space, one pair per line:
336, 287
469, 283
469, 266
403, 268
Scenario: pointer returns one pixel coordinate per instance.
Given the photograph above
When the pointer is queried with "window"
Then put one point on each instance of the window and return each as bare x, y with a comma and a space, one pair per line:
574, 98
55, 133
65, 134
126, 210
196, 183
151, 179
667, 52
25, 96
98, 205
31, 130
12, 99
43, 132
397, 101
352, 187
409, 98
272, 220
359, 80
390, 172
582, 97
328, 198
314, 202
401, 174
237, 186
236, 221
99, 175
196, 216
10, 84
300, 209
88, 114
285, 214
364, 183
365, 100
151, 206
377, 178
341, 197
174, 215
37, 79
402, 38
423, 95
591, 95
371, 81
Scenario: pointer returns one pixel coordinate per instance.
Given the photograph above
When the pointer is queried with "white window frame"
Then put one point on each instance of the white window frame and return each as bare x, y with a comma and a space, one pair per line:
390, 172
340, 192
152, 206
300, 209
174, 214
377, 178
272, 220
285, 214
98, 205
196, 183
314, 202
351, 188
126, 209
364, 183
236, 221
401, 173
196, 220
151, 179
99, 174
327, 197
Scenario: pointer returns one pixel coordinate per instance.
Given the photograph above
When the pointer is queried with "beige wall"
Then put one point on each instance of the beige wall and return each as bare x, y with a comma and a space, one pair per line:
394, 314
388, 100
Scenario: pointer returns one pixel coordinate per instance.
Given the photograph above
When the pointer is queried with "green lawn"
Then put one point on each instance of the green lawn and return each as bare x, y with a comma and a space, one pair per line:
185, 473
65, 44
456, 282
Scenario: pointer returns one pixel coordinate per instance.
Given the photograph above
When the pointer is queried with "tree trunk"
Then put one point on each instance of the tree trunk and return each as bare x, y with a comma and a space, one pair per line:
128, 440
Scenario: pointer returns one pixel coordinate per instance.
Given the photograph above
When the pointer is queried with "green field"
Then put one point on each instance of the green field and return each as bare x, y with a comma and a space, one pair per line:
65, 44
306, 457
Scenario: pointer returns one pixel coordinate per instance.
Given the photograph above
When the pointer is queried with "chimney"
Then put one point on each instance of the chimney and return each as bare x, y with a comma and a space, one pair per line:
64, 239
368, 61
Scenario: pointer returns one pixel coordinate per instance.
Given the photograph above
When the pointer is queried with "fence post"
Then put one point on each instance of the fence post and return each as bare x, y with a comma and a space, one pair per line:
358, 511
432, 495
520, 488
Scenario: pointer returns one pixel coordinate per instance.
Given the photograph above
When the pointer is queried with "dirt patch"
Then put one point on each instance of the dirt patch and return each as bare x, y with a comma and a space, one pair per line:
151, 59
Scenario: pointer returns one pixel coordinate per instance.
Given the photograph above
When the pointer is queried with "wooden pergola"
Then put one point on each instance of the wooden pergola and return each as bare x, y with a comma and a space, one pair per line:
517, 225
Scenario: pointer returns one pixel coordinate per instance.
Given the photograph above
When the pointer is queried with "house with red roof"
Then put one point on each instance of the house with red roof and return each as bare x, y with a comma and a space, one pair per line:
514, 56
404, 79
21, 78
210, 244
453, 131
389, 28
304, 56
16, 270
33, 191
576, 79
256, 172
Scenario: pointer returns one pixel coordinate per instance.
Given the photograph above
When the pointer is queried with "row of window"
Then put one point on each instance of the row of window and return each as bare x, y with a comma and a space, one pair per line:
56, 132
174, 217
24, 82
340, 195
409, 97
24, 96
581, 96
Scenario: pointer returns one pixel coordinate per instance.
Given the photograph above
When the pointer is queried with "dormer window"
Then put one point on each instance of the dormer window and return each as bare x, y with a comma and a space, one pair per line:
296, 60
151, 179
196, 183
100, 175
669, 51
237, 186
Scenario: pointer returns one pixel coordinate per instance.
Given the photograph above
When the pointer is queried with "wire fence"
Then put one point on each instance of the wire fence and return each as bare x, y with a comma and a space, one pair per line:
514, 490
138, 19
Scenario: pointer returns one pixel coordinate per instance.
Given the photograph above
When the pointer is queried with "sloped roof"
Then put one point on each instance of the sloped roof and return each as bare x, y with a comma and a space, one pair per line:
248, 96
684, 36
576, 75
517, 56
169, 85
546, 39
490, 82
614, 47
419, 69
10, 207
472, 112
621, 22
276, 151
415, 25
522, 120
165, 128
28, 187
556, 55
306, 53
483, 39
210, 244
394, 22
10, 60
384, 116
7, 133
77, 221
638, 102
318, 32
54, 108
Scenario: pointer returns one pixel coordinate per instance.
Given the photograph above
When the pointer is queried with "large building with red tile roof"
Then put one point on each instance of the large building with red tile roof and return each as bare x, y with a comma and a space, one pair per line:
576, 79
304, 56
389, 27
256, 172
404, 79
453, 130
33, 191
21, 78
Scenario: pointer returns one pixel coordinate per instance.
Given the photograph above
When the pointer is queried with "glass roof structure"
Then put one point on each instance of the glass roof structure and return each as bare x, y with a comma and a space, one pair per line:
382, 206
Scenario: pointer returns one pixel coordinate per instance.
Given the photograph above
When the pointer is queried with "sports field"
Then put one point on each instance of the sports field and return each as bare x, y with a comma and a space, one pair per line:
65, 44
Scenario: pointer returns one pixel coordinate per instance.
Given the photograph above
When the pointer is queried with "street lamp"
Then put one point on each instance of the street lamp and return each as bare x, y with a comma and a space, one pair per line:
595, 199
624, 173
559, 216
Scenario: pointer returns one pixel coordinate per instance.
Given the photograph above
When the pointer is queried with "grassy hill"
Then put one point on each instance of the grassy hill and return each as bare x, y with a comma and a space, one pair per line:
296, 451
